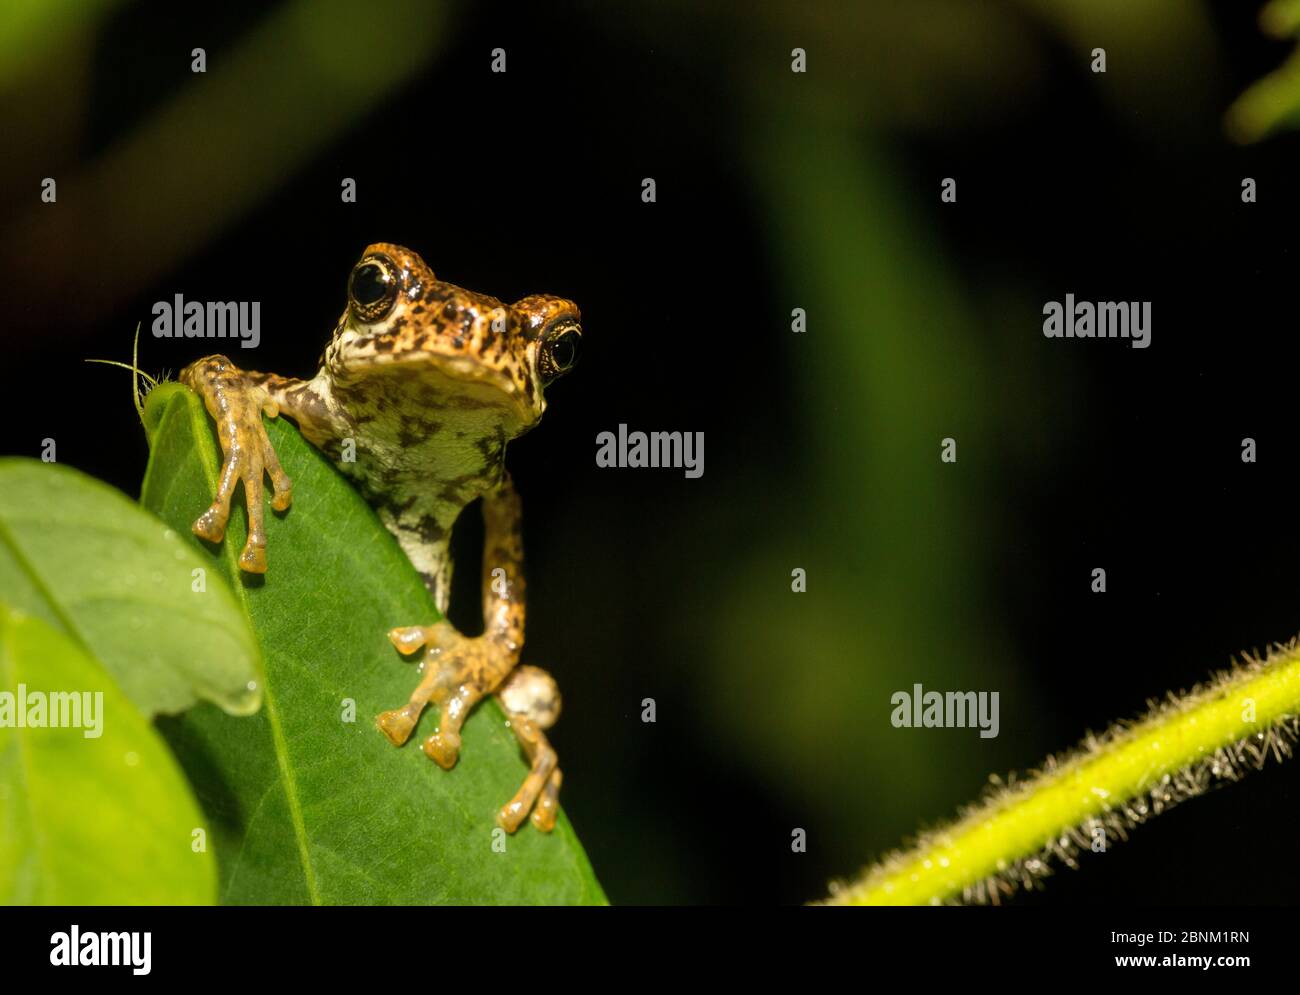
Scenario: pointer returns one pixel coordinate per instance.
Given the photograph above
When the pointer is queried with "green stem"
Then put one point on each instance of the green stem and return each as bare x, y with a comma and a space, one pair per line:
137, 373
1107, 786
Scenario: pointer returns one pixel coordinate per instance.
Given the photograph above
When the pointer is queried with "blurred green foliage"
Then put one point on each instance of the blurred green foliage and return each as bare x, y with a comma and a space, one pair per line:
1273, 103
85, 558
216, 148
100, 820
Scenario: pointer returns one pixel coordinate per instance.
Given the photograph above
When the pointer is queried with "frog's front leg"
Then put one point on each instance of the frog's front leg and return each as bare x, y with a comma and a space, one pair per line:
236, 400
461, 670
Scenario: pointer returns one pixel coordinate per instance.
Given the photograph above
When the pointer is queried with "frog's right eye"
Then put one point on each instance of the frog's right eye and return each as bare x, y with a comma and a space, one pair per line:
372, 290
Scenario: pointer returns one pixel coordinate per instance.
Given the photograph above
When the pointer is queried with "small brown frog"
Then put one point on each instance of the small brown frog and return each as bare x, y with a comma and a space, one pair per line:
419, 390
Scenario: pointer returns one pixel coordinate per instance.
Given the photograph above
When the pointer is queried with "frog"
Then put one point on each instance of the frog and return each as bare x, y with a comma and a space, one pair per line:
418, 391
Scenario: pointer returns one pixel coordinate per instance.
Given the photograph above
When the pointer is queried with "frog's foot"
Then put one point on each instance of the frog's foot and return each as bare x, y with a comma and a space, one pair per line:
237, 405
459, 671
541, 787
548, 804
532, 701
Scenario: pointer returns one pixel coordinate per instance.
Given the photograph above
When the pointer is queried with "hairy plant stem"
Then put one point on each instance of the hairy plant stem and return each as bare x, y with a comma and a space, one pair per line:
1097, 793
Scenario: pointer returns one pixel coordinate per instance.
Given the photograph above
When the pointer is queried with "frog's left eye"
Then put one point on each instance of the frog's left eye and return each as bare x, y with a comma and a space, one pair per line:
559, 351
372, 290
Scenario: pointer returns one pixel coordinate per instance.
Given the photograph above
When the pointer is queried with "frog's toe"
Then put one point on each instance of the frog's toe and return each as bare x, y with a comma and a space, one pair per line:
281, 485
548, 805
439, 637
539, 792
253, 557
283, 496
443, 748
211, 525
409, 638
398, 724
510, 816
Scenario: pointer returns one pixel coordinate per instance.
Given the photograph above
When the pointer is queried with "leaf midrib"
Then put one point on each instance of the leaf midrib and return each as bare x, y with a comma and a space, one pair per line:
208, 457
38, 583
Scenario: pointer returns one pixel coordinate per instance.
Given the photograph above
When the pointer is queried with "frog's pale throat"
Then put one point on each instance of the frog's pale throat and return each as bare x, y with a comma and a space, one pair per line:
434, 421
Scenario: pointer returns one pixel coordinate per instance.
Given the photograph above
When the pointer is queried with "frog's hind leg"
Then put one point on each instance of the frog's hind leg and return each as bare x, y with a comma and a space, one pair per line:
461, 670
531, 700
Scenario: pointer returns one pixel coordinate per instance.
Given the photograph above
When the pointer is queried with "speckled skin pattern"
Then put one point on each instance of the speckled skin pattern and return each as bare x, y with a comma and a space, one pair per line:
419, 390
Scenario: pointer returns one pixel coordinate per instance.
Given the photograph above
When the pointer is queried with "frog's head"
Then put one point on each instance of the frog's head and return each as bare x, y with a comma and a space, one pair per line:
404, 326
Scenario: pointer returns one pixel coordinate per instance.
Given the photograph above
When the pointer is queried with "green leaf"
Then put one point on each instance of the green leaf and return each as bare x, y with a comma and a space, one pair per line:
87, 560
101, 819
308, 807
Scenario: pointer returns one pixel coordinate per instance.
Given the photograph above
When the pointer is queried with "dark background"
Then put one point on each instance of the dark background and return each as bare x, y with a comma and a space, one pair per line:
775, 190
